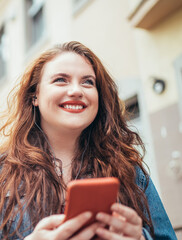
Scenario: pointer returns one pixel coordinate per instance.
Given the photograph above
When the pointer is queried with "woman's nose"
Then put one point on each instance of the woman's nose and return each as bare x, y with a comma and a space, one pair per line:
75, 90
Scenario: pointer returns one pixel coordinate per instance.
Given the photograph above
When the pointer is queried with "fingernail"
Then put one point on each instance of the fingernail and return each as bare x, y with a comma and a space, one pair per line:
61, 216
99, 216
115, 206
88, 215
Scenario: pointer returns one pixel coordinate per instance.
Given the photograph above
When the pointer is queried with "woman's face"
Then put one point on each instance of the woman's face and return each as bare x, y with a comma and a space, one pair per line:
67, 96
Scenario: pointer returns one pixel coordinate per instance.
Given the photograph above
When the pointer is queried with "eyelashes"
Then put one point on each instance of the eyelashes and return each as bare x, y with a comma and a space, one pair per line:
89, 82
84, 82
60, 79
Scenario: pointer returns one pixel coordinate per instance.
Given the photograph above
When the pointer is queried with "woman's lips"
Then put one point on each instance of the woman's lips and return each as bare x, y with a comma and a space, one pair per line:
73, 106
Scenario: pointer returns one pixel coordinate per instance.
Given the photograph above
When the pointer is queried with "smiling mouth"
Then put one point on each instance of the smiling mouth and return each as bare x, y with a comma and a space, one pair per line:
73, 108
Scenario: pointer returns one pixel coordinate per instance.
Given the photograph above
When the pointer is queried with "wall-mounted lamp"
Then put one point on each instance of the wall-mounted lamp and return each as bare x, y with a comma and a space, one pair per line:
175, 165
159, 85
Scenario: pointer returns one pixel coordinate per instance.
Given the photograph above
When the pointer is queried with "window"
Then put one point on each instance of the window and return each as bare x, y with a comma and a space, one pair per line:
34, 21
178, 70
2, 53
132, 107
133, 114
135, 121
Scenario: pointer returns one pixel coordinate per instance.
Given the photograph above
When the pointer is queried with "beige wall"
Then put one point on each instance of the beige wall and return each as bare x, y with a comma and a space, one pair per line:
157, 49
58, 14
166, 147
103, 27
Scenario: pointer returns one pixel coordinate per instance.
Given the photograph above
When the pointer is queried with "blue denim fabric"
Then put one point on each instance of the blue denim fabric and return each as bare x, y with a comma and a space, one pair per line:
162, 226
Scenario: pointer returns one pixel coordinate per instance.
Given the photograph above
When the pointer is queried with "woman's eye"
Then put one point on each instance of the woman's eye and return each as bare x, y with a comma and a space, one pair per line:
89, 82
60, 80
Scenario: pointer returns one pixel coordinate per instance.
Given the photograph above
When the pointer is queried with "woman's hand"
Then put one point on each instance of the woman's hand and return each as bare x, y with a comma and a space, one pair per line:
53, 228
124, 224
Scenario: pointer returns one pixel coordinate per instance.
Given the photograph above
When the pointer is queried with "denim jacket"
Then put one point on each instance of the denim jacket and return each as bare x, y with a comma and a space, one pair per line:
162, 227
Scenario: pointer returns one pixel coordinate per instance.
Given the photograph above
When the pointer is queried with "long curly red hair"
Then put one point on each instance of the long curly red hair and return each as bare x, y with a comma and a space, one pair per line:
28, 175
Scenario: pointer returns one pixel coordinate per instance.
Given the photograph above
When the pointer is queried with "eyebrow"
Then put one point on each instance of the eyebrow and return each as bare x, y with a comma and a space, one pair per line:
60, 75
89, 76
68, 76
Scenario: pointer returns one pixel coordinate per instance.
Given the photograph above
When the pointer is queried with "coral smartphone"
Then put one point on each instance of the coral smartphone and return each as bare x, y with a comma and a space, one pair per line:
95, 195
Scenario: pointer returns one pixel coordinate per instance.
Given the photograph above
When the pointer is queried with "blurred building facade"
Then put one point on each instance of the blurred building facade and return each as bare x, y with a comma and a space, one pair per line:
139, 42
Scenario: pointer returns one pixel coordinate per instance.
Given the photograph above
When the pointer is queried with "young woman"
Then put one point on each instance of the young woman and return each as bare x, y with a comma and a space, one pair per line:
67, 122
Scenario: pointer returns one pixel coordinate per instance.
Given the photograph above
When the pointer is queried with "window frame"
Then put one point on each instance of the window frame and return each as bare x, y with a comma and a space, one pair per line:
2, 29
128, 88
178, 71
31, 12
35, 8
78, 5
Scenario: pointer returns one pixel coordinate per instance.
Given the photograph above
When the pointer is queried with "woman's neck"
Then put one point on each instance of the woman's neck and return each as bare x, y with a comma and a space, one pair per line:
64, 145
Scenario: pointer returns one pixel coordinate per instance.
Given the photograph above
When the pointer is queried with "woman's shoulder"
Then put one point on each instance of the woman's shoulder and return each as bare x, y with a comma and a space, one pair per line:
142, 178
162, 226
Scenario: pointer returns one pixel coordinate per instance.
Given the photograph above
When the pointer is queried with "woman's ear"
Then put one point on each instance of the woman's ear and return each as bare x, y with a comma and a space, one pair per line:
35, 101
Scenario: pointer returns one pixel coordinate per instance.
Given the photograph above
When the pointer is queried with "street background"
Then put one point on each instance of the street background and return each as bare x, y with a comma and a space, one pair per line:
139, 42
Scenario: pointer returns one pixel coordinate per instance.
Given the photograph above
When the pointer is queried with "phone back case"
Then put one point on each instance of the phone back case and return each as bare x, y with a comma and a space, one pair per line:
95, 195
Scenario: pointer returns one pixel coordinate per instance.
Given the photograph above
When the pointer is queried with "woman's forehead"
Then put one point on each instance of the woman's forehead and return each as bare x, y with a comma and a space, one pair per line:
68, 61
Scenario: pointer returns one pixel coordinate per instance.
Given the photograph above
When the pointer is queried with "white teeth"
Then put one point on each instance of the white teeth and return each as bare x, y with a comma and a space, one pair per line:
73, 106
